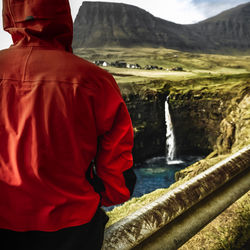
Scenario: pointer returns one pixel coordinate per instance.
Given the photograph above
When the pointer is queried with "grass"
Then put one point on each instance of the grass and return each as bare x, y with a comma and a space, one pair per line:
195, 63
215, 72
230, 230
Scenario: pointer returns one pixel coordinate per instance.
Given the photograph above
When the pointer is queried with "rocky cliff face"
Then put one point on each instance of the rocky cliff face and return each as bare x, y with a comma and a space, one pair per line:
235, 127
233, 134
148, 118
196, 117
101, 24
203, 121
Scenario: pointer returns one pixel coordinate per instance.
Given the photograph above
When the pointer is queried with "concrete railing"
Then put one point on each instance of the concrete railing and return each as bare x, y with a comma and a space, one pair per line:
174, 218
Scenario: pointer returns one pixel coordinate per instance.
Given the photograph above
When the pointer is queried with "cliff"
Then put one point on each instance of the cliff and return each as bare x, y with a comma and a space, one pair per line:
148, 117
205, 119
235, 127
196, 117
199, 97
233, 133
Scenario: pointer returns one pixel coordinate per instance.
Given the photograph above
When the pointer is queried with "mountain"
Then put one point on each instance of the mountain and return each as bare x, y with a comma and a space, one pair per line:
228, 30
114, 24
100, 24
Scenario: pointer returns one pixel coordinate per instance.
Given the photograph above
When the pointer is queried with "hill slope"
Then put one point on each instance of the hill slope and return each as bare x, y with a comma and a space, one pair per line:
228, 30
100, 24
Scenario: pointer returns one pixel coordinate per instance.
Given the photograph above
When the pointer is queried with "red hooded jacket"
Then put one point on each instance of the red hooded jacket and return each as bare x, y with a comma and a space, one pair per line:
58, 113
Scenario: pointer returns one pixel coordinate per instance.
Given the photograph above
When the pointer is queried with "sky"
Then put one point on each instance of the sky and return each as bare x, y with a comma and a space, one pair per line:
178, 11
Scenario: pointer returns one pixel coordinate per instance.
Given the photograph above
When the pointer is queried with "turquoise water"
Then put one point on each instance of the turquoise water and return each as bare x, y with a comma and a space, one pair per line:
158, 173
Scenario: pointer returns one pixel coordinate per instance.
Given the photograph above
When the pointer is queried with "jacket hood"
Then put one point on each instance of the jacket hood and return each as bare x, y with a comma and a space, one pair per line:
39, 22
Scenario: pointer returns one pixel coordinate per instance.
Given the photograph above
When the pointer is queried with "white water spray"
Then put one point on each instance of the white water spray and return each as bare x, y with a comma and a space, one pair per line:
170, 139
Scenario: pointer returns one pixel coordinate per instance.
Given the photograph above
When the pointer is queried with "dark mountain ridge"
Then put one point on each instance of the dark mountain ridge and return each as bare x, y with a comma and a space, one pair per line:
228, 30
102, 24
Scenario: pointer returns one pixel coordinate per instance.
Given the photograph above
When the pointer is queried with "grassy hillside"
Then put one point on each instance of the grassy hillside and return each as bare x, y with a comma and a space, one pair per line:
206, 72
193, 63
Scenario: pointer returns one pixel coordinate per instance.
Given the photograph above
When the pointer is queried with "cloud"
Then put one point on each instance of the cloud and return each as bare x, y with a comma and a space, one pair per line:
213, 7
178, 11
6, 40
75, 5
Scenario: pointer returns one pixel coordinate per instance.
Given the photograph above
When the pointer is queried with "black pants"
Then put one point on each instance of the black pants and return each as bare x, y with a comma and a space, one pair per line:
86, 237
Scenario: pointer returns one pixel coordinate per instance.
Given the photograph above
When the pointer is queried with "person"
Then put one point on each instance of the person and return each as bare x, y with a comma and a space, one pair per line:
65, 135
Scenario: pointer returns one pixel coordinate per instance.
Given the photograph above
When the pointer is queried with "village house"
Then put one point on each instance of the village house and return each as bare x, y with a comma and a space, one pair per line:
119, 64
101, 63
133, 66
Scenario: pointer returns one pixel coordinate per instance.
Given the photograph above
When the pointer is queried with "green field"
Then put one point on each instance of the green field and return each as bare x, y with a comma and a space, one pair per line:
206, 72
194, 64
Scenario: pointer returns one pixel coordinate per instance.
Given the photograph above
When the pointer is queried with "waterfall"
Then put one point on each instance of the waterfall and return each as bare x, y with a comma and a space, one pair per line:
170, 139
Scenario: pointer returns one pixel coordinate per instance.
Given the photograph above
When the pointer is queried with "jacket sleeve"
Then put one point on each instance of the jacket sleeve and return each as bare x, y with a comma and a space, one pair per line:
114, 157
